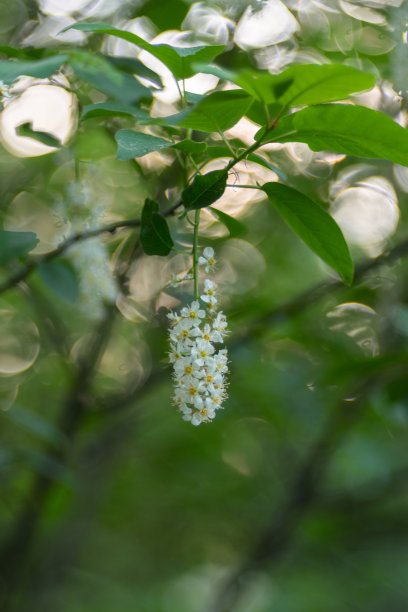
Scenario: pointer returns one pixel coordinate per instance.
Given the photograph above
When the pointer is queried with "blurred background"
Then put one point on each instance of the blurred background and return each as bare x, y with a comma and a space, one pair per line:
295, 498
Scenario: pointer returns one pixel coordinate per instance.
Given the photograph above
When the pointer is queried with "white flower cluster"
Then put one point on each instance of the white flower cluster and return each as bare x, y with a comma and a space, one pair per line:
199, 369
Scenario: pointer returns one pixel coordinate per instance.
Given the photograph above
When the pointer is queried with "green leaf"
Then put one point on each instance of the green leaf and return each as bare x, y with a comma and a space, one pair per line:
257, 112
343, 128
15, 244
235, 227
315, 84
154, 233
217, 112
223, 151
103, 75
300, 84
26, 130
314, 226
136, 144
60, 277
190, 146
113, 109
214, 113
178, 59
134, 66
205, 189
12, 69
28, 53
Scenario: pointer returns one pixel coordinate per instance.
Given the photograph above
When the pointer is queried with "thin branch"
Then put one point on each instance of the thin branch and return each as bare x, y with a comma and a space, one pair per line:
22, 273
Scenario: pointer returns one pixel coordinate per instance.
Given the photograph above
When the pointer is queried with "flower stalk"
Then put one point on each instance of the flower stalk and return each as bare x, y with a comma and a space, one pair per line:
195, 252
199, 369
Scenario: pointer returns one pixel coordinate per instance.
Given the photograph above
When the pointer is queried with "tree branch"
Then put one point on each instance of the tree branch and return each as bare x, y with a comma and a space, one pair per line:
23, 272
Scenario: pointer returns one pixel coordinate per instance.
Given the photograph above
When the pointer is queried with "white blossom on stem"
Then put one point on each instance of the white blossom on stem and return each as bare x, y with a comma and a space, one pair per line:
199, 369
208, 260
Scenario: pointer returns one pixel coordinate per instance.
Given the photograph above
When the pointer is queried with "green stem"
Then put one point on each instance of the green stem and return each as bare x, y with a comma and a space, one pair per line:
244, 186
228, 144
195, 253
193, 163
244, 153
181, 93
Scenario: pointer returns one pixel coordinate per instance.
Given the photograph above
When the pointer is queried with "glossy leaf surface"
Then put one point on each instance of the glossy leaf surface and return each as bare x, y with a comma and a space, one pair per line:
314, 226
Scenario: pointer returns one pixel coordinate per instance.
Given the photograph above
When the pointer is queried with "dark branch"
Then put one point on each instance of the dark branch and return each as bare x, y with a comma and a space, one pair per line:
23, 272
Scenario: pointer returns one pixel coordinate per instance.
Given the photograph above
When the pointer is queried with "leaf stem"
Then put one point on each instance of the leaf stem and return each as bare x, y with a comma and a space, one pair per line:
195, 252
181, 93
228, 144
245, 186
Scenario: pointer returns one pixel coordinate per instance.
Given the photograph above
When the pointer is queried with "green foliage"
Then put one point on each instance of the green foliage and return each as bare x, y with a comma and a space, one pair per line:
113, 109
342, 128
154, 232
234, 227
314, 226
103, 75
136, 144
205, 189
309, 456
178, 59
308, 84
10, 70
15, 244
217, 112
60, 277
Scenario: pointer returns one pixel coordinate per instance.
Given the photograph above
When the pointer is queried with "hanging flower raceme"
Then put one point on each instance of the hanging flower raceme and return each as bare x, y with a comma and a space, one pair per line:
199, 368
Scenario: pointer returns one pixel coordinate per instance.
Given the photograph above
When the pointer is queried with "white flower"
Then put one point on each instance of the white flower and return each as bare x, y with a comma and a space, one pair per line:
207, 259
199, 370
203, 416
175, 354
201, 352
185, 367
209, 295
181, 336
220, 324
208, 334
174, 318
193, 312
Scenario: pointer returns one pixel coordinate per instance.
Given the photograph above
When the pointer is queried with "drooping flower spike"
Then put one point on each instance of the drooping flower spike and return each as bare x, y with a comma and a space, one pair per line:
199, 370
